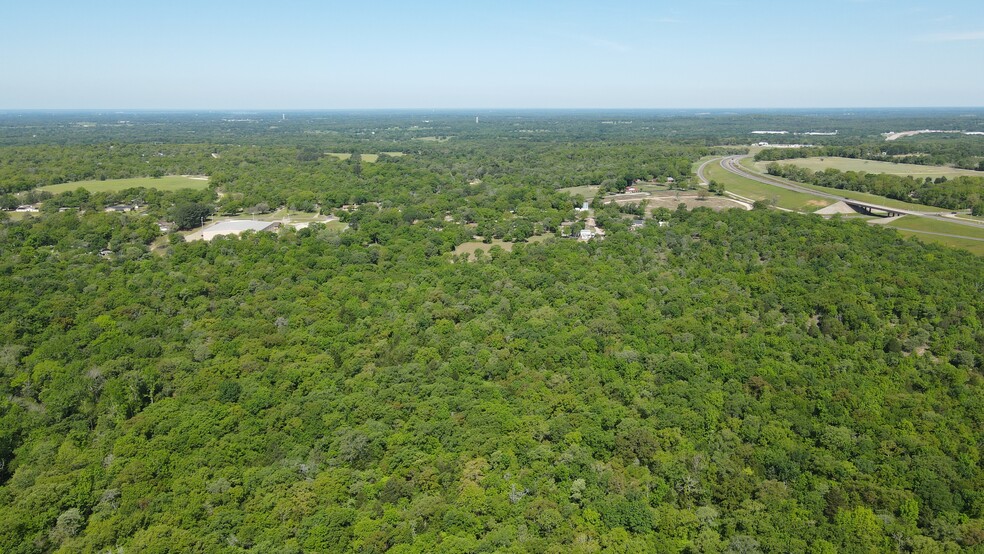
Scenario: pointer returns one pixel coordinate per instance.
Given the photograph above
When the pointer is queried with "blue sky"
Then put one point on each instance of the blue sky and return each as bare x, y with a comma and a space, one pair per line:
299, 54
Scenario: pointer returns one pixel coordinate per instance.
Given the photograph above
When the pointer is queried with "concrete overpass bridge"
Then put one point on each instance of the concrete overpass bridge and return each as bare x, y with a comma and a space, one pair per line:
874, 209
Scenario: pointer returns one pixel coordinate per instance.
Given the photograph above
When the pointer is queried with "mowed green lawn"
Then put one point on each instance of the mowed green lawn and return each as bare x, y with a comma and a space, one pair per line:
921, 227
754, 190
870, 166
587, 191
170, 182
936, 225
975, 247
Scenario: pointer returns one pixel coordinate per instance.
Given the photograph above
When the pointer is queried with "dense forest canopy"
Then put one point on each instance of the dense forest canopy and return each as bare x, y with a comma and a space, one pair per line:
736, 381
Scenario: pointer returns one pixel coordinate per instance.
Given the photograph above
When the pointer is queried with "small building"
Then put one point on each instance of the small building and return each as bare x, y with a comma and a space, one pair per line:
631, 189
121, 208
165, 226
585, 235
584, 207
25, 208
638, 223
237, 227
105, 252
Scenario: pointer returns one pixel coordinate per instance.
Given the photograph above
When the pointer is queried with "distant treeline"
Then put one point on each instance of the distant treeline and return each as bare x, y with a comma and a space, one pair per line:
369, 128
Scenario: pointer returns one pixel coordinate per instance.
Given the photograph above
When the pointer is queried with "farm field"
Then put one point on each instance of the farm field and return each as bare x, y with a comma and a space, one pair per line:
871, 166
751, 165
170, 182
788, 199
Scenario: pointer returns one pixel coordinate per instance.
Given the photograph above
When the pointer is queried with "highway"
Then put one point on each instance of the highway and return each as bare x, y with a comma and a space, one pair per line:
700, 171
733, 165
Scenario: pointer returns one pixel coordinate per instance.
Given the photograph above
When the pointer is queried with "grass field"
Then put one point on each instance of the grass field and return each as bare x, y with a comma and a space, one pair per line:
975, 247
870, 166
170, 182
934, 225
588, 191
788, 199
470, 247
696, 165
921, 227
751, 165
393, 154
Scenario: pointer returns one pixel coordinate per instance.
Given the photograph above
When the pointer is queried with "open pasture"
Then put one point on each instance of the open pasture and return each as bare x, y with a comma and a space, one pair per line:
587, 191
170, 182
469, 248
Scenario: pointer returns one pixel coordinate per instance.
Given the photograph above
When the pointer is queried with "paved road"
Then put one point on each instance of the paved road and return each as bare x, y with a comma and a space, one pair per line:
732, 164
700, 171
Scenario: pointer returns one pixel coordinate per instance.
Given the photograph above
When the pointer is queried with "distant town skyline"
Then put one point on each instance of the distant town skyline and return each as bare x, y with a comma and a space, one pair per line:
624, 54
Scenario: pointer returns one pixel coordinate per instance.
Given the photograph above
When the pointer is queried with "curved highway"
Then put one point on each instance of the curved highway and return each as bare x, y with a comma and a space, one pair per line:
700, 171
732, 165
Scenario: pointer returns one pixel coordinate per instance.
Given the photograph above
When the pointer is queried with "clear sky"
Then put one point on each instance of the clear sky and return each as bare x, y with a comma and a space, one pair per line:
300, 54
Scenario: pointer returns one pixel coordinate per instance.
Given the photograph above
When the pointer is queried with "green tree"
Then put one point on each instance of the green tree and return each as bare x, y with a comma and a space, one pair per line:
188, 215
